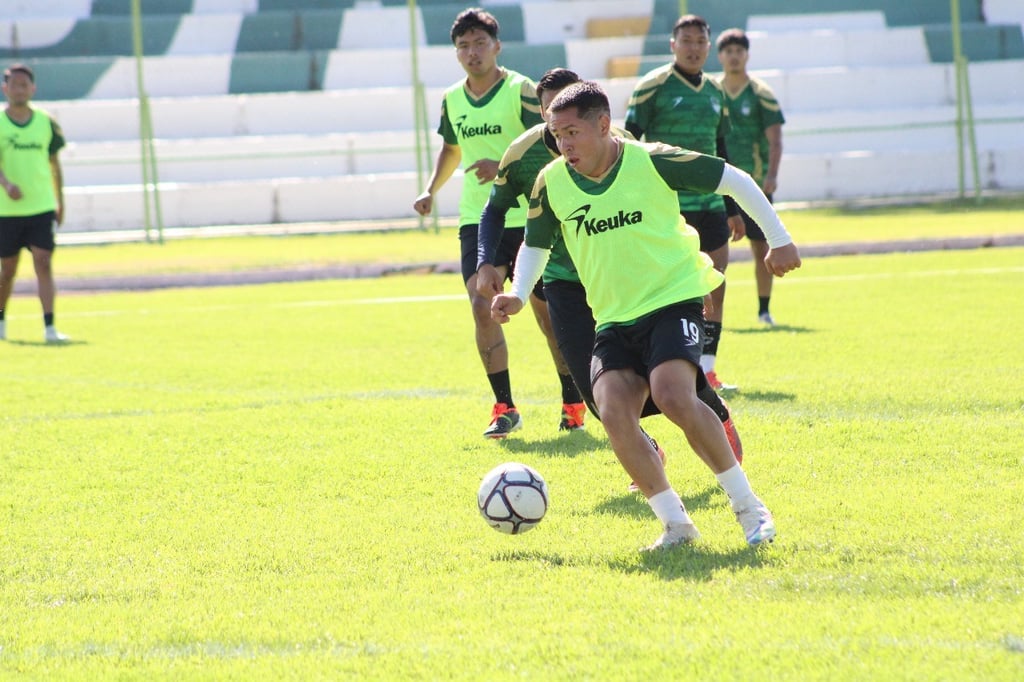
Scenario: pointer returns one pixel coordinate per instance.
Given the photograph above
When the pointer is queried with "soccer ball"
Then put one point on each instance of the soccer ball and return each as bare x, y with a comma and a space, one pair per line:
512, 498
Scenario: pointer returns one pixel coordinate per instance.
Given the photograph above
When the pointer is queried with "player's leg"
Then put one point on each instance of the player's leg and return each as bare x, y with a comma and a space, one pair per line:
490, 342
573, 409
40, 236
674, 358
713, 228
759, 249
620, 392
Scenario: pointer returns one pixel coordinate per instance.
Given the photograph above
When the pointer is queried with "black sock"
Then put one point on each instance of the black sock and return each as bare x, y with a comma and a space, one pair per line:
709, 397
712, 333
501, 384
48, 319
570, 394
1, 314
762, 304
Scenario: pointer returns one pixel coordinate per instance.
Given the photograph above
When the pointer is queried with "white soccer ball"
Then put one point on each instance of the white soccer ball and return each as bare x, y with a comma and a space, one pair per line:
512, 498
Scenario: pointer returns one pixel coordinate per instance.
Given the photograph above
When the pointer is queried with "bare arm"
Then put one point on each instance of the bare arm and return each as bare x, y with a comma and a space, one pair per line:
771, 180
447, 161
58, 186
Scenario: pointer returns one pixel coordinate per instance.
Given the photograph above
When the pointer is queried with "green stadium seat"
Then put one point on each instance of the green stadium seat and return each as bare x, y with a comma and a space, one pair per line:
255, 72
532, 60
149, 7
297, 5
104, 36
980, 42
320, 29
438, 19
68, 78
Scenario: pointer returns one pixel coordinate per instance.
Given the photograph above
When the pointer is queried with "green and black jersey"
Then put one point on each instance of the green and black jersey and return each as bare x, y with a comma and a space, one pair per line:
752, 111
666, 107
483, 128
25, 151
634, 252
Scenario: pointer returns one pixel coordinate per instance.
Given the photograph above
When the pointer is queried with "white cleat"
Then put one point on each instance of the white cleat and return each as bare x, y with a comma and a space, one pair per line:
54, 336
757, 522
675, 534
766, 319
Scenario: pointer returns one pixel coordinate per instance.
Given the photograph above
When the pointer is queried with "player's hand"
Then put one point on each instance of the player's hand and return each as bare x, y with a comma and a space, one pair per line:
60, 214
503, 306
737, 227
709, 305
13, 191
424, 203
488, 282
781, 260
485, 170
770, 184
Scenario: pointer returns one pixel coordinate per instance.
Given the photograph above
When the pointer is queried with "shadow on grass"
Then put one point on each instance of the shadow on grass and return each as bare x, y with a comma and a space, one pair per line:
569, 444
694, 562
635, 506
46, 344
765, 396
777, 329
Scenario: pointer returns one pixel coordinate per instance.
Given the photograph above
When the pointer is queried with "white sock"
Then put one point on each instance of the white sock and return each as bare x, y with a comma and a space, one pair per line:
707, 363
735, 484
669, 508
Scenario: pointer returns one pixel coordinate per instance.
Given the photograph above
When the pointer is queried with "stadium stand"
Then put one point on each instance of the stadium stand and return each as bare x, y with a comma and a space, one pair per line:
293, 110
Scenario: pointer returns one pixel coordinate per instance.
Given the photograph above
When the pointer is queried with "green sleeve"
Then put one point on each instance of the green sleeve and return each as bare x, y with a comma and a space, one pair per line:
446, 130
683, 169
542, 225
505, 192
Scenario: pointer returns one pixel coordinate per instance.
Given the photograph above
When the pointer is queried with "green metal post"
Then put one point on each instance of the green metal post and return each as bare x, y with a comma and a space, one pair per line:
150, 182
964, 107
419, 107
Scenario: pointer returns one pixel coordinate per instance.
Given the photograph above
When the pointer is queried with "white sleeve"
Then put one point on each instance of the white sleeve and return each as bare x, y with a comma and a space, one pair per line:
741, 187
530, 265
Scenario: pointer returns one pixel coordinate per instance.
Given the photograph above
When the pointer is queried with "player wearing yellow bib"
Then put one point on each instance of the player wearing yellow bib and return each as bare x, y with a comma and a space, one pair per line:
755, 144
32, 201
614, 203
480, 116
571, 317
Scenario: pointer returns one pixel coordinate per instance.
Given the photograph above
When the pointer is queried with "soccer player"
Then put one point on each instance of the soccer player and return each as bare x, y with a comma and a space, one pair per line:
571, 317
480, 116
614, 203
681, 105
32, 201
755, 144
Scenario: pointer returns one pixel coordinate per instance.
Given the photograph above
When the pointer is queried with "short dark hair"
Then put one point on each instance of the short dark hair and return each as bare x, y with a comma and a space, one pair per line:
732, 36
19, 68
472, 18
556, 79
587, 97
691, 20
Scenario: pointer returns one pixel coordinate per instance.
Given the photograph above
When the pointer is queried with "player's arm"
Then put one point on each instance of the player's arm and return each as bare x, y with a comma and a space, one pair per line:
782, 253
732, 210
541, 225
771, 178
448, 160
58, 187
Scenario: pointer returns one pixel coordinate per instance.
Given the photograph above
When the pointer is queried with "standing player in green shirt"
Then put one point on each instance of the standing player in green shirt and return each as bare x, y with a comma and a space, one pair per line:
571, 317
755, 143
679, 104
480, 116
32, 200
614, 203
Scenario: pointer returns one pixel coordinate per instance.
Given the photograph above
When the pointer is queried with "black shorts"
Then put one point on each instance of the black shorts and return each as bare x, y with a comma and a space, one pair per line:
21, 232
675, 332
712, 226
754, 231
573, 323
508, 249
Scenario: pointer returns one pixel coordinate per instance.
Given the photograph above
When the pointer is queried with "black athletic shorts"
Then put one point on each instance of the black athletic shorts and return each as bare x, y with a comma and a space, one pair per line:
754, 231
21, 232
712, 226
675, 332
508, 249
573, 323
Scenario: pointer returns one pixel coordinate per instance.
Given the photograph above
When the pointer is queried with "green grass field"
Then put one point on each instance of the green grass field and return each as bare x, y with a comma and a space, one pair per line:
818, 226
278, 482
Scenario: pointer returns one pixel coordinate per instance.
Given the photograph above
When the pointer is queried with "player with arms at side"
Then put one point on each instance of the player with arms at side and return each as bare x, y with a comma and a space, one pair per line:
614, 203
32, 201
480, 116
679, 104
571, 316
755, 144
